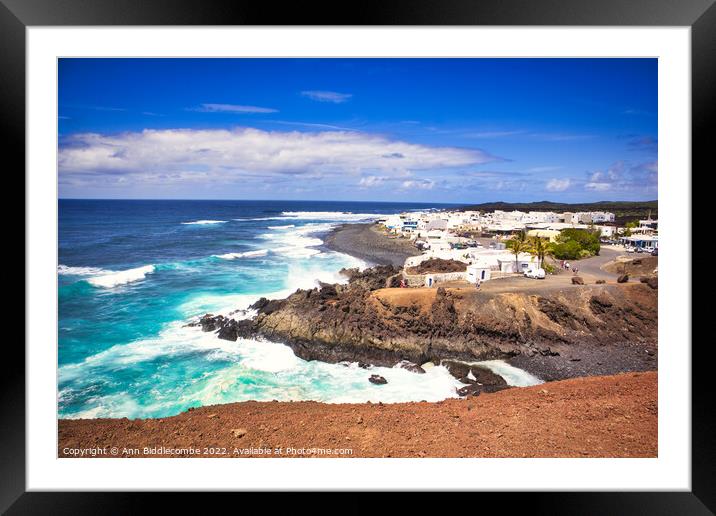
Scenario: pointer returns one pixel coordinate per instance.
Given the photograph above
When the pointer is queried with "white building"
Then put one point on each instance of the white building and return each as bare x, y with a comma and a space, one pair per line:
478, 271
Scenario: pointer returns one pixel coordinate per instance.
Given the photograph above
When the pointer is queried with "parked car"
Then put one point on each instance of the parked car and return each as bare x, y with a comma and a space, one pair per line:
535, 273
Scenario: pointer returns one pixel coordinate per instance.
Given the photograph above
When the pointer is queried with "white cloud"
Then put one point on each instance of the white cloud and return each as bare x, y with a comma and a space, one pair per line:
180, 156
327, 96
623, 176
598, 187
371, 181
418, 184
233, 108
558, 185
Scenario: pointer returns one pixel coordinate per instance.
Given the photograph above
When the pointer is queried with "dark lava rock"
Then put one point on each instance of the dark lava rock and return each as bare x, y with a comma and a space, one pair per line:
652, 281
600, 304
328, 292
210, 322
377, 379
437, 265
469, 390
623, 278
577, 280
476, 389
232, 330
413, 368
482, 375
268, 306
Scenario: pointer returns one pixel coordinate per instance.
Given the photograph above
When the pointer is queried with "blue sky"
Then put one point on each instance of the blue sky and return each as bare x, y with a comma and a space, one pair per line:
441, 130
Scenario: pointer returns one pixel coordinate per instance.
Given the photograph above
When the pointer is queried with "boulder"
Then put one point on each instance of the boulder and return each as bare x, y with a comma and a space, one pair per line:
577, 280
623, 278
210, 322
377, 379
413, 368
652, 281
328, 292
469, 390
232, 330
473, 374
267, 306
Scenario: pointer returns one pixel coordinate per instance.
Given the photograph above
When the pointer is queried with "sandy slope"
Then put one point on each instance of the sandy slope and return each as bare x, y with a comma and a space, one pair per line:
612, 416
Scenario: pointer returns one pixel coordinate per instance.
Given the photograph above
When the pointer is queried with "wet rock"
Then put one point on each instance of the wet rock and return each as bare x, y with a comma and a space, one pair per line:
210, 322
267, 306
469, 390
413, 368
473, 374
623, 278
232, 330
377, 379
577, 280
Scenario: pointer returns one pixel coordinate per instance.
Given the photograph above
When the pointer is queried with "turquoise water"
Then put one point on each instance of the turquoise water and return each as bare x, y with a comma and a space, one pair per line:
133, 273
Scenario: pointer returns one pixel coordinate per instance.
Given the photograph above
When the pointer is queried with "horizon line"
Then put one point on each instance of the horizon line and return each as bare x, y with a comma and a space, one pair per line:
356, 201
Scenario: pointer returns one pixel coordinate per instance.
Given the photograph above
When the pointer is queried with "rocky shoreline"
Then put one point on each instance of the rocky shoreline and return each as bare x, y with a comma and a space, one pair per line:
581, 331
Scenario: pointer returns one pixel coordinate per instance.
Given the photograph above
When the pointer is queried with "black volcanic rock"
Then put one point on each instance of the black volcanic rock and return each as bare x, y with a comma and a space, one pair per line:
410, 366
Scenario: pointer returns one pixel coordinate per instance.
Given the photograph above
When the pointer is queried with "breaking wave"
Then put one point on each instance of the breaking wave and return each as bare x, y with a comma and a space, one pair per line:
113, 279
245, 254
203, 222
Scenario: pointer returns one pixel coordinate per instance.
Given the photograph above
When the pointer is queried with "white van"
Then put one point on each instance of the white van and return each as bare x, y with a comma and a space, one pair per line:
535, 273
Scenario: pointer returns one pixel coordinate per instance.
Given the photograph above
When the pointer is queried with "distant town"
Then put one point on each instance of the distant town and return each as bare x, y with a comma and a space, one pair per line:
498, 243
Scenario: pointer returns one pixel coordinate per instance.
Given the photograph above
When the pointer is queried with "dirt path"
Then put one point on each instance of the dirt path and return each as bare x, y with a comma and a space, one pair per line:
610, 416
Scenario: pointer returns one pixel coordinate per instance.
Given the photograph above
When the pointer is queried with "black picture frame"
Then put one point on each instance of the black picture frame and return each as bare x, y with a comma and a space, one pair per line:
17, 15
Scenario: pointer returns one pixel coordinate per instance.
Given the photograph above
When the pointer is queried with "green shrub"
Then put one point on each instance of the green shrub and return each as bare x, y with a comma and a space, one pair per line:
573, 244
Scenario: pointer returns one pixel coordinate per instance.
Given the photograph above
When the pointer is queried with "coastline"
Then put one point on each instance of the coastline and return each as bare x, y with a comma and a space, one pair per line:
570, 418
365, 242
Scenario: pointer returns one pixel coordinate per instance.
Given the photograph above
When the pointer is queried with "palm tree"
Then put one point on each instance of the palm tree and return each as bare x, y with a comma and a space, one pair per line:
540, 248
518, 244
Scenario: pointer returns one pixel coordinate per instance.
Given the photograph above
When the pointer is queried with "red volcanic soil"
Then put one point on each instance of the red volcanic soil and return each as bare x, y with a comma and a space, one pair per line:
607, 416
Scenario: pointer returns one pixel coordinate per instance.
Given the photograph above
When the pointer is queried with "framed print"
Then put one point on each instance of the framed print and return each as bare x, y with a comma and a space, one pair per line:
409, 246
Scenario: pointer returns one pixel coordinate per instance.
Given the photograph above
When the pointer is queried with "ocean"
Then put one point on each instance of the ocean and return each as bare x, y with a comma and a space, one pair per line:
132, 274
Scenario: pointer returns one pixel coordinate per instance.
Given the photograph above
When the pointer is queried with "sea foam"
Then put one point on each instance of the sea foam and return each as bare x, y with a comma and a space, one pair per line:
329, 215
81, 271
204, 222
113, 279
245, 254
